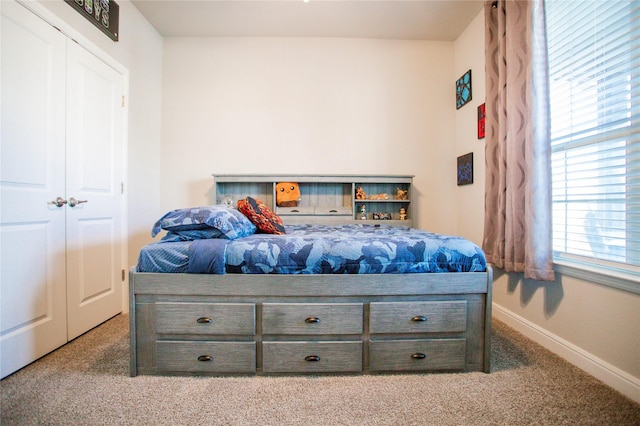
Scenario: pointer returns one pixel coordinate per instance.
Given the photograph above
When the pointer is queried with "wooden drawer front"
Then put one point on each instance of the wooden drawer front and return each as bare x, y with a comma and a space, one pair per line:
294, 211
418, 317
333, 211
311, 357
417, 355
312, 318
205, 318
206, 357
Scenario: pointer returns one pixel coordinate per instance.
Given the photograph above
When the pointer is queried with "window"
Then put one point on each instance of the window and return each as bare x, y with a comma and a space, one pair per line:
594, 83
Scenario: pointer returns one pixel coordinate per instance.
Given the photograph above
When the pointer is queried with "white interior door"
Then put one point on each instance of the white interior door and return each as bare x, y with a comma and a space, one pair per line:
94, 190
32, 174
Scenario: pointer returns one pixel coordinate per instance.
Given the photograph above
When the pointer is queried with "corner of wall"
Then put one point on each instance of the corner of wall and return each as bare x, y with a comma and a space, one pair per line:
469, 55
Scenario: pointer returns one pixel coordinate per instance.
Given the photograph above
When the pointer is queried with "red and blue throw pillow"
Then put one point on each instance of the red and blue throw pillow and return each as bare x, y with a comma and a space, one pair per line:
265, 219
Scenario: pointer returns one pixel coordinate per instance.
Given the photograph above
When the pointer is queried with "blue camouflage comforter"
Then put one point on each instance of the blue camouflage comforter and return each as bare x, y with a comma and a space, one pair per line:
319, 249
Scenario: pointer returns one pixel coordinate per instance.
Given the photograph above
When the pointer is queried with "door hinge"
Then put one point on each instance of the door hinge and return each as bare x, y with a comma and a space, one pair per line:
123, 100
122, 187
123, 275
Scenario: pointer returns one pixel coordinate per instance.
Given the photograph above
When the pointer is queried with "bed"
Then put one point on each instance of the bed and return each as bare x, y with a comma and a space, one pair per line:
353, 298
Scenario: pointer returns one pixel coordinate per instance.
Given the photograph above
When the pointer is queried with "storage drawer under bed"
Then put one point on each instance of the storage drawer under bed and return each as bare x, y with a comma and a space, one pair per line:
417, 355
312, 318
205, 356
312, 357
418, 317
205, 318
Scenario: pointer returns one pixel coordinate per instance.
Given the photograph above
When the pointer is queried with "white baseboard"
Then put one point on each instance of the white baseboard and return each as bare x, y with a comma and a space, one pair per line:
612, 376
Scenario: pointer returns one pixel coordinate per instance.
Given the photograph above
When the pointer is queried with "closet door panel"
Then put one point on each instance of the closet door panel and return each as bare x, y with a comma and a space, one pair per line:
94, 181
32, 228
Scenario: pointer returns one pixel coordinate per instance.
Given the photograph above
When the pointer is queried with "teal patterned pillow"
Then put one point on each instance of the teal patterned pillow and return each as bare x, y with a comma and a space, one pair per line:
230, 222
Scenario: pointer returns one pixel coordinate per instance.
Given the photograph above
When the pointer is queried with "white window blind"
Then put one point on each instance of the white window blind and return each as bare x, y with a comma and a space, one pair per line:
594, 81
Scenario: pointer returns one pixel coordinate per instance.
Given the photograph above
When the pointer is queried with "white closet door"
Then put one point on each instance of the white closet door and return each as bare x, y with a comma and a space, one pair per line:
32, 174
94, 180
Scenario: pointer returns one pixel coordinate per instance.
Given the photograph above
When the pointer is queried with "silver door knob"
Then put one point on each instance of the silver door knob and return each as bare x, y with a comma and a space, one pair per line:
73, 202
58, 202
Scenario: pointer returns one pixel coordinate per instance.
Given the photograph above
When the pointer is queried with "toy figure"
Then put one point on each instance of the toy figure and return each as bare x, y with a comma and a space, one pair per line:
382, 196
403, 213
363, 213
287, 194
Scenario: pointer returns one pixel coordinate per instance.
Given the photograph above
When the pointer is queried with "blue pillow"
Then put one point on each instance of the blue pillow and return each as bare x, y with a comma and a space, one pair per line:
192, 235
230, 222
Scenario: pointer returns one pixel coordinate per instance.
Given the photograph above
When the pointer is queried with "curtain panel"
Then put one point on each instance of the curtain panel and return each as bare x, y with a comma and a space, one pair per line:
517, 227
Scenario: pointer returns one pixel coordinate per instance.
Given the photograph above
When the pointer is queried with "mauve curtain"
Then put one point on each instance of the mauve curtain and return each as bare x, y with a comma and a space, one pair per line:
517, 226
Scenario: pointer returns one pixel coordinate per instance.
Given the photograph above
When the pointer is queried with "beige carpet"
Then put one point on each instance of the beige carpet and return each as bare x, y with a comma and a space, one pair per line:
87, 383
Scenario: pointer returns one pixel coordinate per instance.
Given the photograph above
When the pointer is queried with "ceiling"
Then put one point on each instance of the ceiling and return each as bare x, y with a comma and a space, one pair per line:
439, 20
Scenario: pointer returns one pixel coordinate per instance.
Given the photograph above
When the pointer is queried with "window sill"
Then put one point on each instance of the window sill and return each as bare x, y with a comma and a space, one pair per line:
627, 279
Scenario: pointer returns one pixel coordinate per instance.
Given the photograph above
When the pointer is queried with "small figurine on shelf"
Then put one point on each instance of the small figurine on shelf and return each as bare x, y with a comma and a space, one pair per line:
287, 194
363, 212
360, 194
403, 213
228, 202
402, 194
382, 196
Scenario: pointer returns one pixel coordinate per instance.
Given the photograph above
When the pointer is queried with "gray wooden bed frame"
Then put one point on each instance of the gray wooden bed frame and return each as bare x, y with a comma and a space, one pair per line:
274, 324
237, 324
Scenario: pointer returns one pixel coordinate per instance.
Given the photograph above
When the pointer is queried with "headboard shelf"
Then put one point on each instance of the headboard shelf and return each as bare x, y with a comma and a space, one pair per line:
325, 199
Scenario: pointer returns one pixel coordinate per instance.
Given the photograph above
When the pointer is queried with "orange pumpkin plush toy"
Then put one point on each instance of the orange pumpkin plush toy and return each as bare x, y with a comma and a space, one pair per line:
287, 194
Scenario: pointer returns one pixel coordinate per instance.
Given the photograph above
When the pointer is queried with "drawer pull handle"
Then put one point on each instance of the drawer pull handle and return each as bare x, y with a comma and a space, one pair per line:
418, 355
295, 211
205, 358
204, 320
419, 318
333, 211
312, 320
312, 358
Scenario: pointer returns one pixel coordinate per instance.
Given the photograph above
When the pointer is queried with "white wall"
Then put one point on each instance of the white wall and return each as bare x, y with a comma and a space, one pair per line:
309, 105
594, 326
469, 54
139, 49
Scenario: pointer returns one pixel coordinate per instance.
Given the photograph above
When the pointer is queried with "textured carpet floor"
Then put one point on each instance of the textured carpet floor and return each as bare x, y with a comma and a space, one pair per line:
86, 382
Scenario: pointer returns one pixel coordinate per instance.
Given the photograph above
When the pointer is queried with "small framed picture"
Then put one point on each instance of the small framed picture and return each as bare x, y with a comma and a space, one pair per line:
482, 114
465, 169
463, 90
